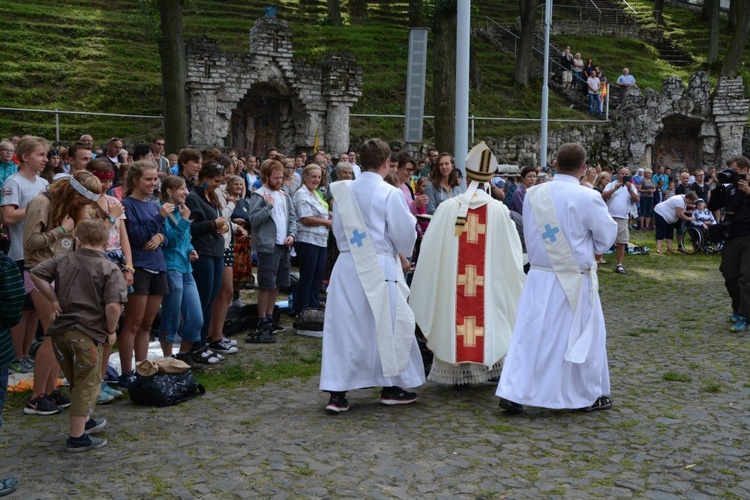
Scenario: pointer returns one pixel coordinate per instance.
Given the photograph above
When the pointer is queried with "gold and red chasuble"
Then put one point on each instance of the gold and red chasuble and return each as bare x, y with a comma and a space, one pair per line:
470, 288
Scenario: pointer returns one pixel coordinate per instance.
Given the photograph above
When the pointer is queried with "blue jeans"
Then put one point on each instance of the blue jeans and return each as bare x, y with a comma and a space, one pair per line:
208, 273
182, 301
312, 267
3, 390
594, 104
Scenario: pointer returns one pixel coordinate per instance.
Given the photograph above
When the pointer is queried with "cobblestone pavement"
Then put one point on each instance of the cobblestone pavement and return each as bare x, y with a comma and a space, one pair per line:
679, 427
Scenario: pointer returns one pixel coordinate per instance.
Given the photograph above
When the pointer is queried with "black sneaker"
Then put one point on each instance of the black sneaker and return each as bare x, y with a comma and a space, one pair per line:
263, 335
84, 443
337, 402
187, 357
396, 396
41, 405
222, 346
510, 406
94, 425
277, 328
59, 398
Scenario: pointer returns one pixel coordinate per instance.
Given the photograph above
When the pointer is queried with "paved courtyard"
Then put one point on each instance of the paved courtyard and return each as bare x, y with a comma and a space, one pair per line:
679, 427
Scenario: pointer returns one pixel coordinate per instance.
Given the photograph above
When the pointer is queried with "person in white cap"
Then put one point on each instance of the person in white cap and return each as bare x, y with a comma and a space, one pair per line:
466, 288
557, 357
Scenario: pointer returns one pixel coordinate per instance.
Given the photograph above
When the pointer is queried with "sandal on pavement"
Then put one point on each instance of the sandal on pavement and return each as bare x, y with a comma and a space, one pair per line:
603, 403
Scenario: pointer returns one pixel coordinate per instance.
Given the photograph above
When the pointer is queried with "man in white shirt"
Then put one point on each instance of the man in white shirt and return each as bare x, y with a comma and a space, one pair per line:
625, 80
593, 83
620, 196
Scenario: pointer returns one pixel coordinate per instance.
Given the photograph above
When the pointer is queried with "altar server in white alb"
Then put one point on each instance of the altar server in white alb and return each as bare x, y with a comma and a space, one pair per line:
368, 333
467, 283
558, 357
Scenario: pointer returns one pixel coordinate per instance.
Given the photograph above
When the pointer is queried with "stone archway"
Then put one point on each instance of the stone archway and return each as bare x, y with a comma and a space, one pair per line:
263, 119
266, 98
678, 144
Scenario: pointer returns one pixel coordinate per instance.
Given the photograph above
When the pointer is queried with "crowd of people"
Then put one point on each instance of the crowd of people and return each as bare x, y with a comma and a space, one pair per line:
185, 234
589, 79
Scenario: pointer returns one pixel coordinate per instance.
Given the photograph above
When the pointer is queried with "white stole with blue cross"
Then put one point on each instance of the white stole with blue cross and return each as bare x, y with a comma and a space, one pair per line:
566, 268
394, 341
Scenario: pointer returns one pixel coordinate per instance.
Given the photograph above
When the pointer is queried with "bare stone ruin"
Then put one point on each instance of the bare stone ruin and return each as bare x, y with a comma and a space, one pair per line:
679, 127
266, 98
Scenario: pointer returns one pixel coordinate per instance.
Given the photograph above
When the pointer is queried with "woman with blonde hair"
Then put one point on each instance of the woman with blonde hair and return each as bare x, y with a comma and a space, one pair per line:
51, 219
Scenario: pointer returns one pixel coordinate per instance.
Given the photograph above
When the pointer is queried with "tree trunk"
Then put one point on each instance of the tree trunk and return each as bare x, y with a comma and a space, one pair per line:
658, 12
444, 76
415, 13
334, 12
714, 26
357, 11
733, 6
739, 38
524, 61
173, 74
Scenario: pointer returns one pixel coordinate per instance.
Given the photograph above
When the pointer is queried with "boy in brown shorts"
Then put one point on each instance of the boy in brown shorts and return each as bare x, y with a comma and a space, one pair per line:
87, 302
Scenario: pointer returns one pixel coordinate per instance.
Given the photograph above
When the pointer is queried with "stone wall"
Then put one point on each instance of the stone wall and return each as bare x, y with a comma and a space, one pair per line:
266, 98
679, 126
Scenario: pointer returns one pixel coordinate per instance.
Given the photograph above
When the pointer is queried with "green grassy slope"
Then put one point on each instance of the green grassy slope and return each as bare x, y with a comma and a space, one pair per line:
97, 56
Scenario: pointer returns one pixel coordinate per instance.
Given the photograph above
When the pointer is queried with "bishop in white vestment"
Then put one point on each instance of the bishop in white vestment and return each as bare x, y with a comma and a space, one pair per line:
468, 280
557, 357
368, 334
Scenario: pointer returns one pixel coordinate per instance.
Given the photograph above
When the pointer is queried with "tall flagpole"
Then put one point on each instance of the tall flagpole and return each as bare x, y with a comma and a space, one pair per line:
545, 86
463, 33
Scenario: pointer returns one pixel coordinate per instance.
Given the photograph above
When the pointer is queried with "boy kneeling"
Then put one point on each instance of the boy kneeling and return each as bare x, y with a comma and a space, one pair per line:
90, 293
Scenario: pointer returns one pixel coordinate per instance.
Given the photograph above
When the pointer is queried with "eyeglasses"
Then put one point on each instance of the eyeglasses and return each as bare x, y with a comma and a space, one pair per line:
8, 150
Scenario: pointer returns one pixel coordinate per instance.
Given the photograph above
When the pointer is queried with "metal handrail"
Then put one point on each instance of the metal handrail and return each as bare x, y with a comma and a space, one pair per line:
597, 8
516, 38
58, 112
629, 6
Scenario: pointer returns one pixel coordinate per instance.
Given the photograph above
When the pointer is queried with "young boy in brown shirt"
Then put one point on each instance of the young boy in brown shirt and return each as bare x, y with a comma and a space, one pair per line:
87, 302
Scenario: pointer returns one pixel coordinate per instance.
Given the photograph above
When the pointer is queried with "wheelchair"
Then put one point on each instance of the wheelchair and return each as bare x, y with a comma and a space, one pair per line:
695, 239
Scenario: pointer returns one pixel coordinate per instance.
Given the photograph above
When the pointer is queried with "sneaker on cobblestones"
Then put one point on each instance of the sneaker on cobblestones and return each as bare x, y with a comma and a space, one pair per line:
7, 486
510, 406
740, 325
59, 398
41, 405
396, 396
337, 402
111, 391
94, 425
231, 341
84, 443
222, 346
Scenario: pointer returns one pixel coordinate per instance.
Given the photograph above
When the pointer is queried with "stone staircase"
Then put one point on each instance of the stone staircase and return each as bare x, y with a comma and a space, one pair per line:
671, 53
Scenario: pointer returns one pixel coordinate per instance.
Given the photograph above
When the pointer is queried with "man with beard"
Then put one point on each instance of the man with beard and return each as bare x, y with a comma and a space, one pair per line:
274, 226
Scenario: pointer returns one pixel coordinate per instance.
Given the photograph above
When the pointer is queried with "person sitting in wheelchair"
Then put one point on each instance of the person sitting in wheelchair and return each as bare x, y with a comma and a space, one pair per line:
703, 216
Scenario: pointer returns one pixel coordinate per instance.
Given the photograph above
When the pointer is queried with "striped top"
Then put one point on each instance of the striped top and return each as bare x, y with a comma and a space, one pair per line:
11, 297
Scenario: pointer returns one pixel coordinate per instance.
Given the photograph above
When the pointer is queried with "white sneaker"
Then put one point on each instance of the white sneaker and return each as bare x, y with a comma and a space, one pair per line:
237, 303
